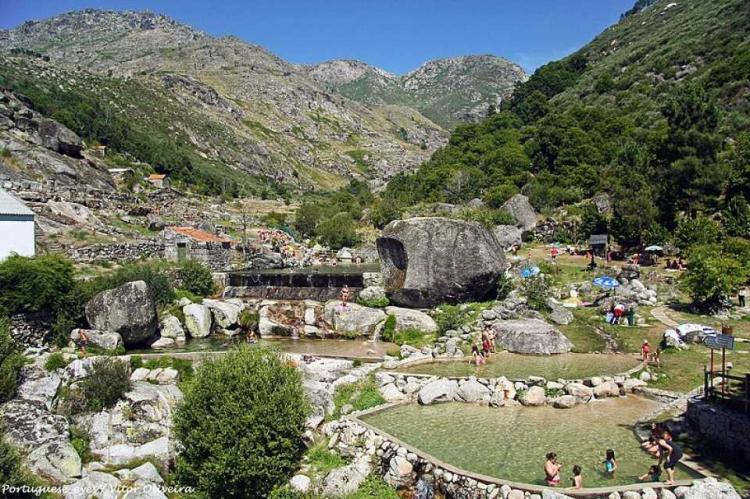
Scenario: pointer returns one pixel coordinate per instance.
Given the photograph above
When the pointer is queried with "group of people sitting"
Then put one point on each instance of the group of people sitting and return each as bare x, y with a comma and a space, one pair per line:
660, 445
675, 264
480, 353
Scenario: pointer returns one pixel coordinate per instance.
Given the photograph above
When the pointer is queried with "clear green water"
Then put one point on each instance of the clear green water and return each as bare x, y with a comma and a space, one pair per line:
343, 348
511, 442
515, 366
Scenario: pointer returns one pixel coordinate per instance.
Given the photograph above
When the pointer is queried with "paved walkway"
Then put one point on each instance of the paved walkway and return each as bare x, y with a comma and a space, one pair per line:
660, 314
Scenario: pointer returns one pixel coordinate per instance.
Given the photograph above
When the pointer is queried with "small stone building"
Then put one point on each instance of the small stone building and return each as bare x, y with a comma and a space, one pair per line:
158, 180
16, 227
188, 243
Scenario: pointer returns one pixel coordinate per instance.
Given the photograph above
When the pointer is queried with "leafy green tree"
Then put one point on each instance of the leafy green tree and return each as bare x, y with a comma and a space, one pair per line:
737, 217
338, 231
196, 277
496, 196
241, 424
634, 211
696, 231
712, 277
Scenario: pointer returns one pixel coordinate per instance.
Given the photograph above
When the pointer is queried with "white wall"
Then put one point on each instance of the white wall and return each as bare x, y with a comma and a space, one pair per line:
16, 236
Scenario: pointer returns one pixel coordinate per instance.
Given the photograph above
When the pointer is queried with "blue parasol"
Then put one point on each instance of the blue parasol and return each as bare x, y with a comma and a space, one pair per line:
606, 282
529, 271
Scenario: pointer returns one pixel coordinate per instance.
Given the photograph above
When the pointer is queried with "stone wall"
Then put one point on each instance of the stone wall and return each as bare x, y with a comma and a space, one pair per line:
498, 392
729, 430
118, 252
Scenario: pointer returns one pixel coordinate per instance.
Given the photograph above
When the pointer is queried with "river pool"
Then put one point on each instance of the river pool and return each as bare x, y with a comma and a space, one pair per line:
515, 366
511, 442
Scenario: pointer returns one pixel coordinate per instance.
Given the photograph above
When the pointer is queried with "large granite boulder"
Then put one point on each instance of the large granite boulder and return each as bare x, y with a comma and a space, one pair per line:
197, 320
59, 138
28, 424
531, 336
55, 461
225, 314
171, 327
507, 235
407, 318
428, 261
128, 310
441, 389
353, 318
521, 210
102, 339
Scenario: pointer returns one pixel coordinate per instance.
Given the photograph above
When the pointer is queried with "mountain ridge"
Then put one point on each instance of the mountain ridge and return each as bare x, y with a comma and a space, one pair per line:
264, 115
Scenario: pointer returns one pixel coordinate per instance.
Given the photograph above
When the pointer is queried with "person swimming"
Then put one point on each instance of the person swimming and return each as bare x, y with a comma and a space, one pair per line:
552, 470
653, 475
610, 463
577, 479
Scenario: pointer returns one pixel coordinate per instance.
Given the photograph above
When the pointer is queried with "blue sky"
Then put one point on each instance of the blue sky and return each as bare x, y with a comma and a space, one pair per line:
396, 35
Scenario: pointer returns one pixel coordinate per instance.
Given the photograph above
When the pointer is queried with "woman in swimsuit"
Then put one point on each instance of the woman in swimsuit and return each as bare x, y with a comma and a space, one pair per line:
673, 455
552, 470
476, 355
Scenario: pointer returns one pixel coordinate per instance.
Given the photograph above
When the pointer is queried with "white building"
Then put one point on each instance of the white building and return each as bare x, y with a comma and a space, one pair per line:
16, 227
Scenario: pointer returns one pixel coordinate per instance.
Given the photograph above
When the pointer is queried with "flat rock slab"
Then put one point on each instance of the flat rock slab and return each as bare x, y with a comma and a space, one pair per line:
531, 337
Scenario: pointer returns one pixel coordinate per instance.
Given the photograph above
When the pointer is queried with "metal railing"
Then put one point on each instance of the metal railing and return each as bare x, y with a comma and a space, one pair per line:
726, 389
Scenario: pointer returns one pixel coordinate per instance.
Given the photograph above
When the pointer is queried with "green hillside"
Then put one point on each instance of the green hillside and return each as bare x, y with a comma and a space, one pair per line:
654, 111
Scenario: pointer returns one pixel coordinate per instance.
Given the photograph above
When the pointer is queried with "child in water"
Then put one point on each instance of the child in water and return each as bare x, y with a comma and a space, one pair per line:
577, 479
653, 475
610, 463
477, 356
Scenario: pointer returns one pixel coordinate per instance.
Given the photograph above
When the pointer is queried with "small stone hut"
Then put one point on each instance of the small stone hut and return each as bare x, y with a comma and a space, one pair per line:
188, 243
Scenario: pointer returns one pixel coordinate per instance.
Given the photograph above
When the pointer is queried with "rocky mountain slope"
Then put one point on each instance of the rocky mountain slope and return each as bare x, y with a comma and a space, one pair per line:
228, 109
448, 91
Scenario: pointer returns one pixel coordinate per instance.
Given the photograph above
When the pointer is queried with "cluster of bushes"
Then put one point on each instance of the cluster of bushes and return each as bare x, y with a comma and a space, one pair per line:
240, 425
48, 283
102, 388
334, 219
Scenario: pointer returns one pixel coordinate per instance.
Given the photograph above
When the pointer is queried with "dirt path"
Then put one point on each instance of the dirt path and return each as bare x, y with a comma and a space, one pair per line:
660, 314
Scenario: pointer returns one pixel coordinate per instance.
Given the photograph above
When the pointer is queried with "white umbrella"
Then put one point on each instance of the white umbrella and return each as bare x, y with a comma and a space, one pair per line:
654, 247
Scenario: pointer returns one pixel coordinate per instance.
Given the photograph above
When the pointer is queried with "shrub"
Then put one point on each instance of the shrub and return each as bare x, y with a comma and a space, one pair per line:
196, 278
241, 424
107, 382
374, 487
80, 441
55, 361
389, 328
34, 284
498, 195
503, 286
712, 276
321, 460
249, 320
414, 337
338, 231
536, 290
11, 362
380, 302
184, 293
696, 231
487, 217
12, 472
136, 362
450, 317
